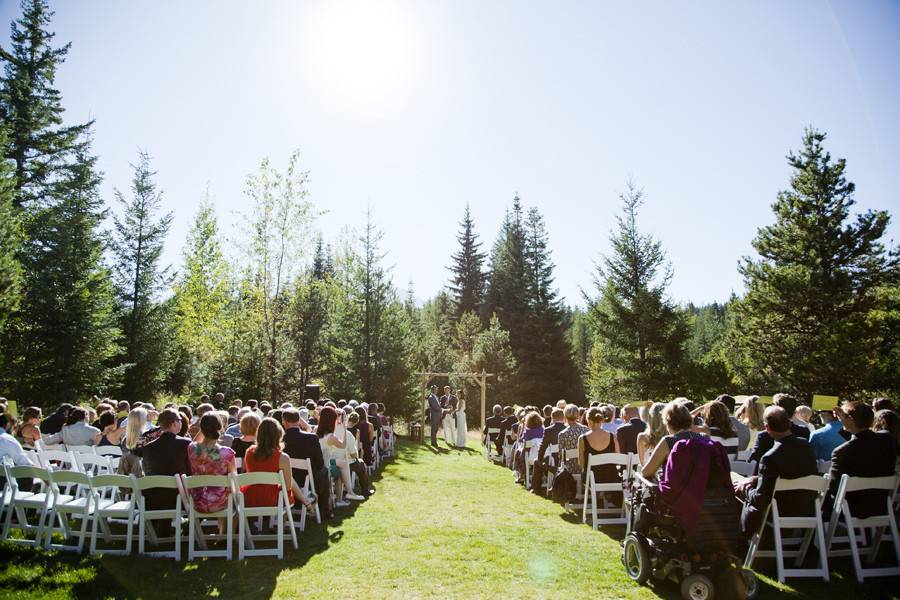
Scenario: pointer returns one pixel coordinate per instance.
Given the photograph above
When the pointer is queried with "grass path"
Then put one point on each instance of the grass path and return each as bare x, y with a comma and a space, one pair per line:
442, 525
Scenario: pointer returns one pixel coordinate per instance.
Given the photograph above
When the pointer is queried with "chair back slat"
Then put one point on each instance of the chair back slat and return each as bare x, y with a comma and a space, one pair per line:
608, 458
169, 482
812, 483
258, 478
196, 481
855, 484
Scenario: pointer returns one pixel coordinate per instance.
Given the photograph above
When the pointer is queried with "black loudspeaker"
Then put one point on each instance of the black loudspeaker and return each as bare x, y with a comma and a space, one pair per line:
312, 392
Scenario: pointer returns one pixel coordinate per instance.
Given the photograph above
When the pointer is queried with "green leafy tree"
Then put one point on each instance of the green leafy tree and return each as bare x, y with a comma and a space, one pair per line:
468, 280
805, 324
639, 334
138, 238
307, 322
201, 298
38, 142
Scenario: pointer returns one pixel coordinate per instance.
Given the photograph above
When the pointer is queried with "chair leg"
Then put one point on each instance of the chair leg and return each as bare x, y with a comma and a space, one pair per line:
779, 556
823, 553
228, 533
801, 554
279, 530
191, 525
854, 551
176, 524
242, 535
876, 543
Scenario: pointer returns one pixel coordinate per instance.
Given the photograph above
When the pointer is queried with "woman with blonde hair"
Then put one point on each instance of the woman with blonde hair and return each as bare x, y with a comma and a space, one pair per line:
750, 413
130, 463
650, 437
678, 419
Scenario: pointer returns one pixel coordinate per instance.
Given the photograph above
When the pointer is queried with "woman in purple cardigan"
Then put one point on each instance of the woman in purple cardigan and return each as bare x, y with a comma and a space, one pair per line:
534, 430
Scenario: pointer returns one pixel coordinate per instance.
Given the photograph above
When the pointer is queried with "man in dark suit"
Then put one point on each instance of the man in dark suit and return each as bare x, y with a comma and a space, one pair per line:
764, 441
302, 444
435, 414
54, 423
166, 455
626, 435
790, 458
867, 454
550, 438
495, 421
509, 419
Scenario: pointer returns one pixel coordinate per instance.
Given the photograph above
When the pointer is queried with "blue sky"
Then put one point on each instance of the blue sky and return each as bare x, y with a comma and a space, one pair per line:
416, 108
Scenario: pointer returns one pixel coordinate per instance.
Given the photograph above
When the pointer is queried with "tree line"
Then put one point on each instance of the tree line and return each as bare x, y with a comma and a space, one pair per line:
88, 308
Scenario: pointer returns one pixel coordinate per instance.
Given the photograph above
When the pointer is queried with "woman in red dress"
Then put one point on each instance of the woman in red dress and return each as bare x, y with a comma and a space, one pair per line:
266, 456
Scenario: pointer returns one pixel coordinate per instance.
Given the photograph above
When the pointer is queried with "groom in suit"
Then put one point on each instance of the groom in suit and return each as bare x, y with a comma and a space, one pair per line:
435, 414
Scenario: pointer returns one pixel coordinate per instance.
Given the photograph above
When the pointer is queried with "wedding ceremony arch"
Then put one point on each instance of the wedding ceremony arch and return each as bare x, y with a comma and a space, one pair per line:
479, 378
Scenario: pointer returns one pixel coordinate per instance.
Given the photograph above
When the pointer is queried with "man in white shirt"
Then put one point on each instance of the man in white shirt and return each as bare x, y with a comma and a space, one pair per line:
10, 448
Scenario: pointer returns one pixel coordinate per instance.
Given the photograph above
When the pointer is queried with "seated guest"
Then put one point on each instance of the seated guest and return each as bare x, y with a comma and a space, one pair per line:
549, 438
110, 433
130, 463
802, 416
546, 412
598, 441
333, 436
742, 431
248, 425
356, 465
879, 404
76, 431
533, 430
764, 441
54, 423
678, 422
366, 434
10, 448
265, 456
201, 410
614, 422
28, 431
509, 419
886, 422
495, 421
750, 414
626, 435
567, 439
207, 457
790, 458
823, 441
656, 430
302, 444
234, 429
166, 455
717, 422
867, 454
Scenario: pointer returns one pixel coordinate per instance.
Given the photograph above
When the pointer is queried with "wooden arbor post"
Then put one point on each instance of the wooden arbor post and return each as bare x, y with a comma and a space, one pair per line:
479, 378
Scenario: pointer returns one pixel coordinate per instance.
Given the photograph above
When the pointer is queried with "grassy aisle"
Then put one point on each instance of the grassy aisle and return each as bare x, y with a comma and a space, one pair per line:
445, 525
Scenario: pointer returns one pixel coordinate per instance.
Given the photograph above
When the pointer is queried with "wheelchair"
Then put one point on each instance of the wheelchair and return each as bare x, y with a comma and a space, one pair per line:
655, 545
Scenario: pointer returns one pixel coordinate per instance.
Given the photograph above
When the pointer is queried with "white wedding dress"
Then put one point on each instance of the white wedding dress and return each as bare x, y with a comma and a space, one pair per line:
461, 429
450, 429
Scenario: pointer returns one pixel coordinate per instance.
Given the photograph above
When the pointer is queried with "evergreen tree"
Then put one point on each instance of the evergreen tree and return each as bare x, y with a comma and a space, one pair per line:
63, 338
639, 334
201, 298
30, 107
468, 269
805, 324
10, 242
138, 238
581, 341
307, 322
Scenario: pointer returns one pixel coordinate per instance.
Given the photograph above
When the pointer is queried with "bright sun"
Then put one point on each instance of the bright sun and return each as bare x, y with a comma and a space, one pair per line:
362, 53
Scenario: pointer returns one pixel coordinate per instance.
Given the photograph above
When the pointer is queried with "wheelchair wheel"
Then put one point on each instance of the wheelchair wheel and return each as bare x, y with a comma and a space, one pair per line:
751, 583
697, 587
636, 558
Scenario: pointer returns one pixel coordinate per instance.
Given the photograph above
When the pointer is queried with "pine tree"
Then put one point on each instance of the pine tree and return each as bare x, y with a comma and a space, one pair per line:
64, 335
468, 281
30, 107
639, 334
138, 239
507, 290
11, 237
805, 322
201, 298
306, 324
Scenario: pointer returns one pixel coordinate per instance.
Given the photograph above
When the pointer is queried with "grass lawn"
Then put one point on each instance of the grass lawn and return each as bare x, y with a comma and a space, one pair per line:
442, 525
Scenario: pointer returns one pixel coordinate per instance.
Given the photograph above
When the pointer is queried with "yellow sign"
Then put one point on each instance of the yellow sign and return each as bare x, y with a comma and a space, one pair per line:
12, 407
824, 402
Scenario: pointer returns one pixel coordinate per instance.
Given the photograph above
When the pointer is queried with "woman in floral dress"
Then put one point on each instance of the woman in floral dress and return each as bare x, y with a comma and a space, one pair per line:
207, 457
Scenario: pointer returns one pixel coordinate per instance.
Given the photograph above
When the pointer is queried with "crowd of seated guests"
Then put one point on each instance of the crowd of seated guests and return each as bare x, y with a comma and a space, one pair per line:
337, 438
859, 439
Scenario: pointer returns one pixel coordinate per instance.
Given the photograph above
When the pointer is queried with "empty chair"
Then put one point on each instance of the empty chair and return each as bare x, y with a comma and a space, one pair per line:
158, 485
116, 498
108, 451
20, 502
63, 507
92, 464
811, 522
842, 515
280, 512
57, 459
81, 449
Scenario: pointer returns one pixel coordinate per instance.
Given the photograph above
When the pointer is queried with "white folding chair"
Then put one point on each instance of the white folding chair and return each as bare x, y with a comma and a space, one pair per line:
309, 486
92, 464
195, 517
569, 454
529, 455
812, 523
743, 467
278, 513
20, 501
238, 464
81, 449
824, 466
593, 487
40, 445
108, 451
730, 444
509, 443
551, 452
880, 523
490, 443
116, 503
57, 459
80, 504
744, 454
172, 514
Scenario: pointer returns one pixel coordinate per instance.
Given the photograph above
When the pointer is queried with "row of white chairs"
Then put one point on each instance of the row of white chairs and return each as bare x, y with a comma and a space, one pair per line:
63, 495
824, 535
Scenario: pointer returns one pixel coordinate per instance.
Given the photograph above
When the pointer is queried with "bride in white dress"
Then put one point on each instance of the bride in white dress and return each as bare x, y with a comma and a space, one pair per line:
461, 429
449, 421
